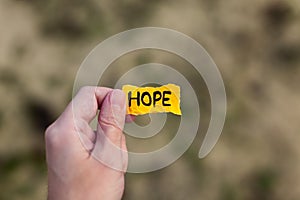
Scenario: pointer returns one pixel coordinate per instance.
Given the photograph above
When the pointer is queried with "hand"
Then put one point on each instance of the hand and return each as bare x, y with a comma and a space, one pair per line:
74, 173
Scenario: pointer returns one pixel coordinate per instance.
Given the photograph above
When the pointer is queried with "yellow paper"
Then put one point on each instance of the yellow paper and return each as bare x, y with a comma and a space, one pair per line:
143, 100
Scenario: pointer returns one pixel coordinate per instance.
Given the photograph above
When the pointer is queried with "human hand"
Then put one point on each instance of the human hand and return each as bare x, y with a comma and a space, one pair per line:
73, 170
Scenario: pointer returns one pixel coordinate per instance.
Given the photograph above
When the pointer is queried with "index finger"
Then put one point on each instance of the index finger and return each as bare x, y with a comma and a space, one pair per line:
86, 103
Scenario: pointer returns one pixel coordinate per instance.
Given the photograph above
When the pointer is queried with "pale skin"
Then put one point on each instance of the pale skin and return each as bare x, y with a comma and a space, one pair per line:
73, 171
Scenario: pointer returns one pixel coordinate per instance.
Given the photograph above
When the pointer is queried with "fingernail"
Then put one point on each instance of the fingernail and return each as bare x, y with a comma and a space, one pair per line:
118, 107
118, 98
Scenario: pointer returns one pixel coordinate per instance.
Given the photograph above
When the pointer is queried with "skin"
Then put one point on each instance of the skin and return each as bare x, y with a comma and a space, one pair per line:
73, 170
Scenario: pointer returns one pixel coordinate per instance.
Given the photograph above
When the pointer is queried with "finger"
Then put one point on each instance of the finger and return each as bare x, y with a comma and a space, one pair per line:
112, 115
87, 102
129, 118
110, 146
81, 111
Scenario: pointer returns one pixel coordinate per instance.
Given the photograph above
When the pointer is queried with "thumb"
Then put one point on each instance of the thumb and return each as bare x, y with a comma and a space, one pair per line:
110, 146
112, 115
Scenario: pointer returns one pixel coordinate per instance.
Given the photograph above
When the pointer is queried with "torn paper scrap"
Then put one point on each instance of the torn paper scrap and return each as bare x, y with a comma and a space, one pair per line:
143, 100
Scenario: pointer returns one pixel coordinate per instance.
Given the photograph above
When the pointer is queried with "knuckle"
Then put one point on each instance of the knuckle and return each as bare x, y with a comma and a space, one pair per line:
52, 135
86, 89
113, 132
109, 124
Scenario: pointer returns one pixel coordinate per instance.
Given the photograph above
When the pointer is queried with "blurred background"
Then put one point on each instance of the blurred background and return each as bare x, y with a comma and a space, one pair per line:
256, 45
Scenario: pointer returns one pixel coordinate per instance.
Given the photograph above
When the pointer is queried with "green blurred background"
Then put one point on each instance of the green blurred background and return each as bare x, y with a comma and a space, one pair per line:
256, 45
